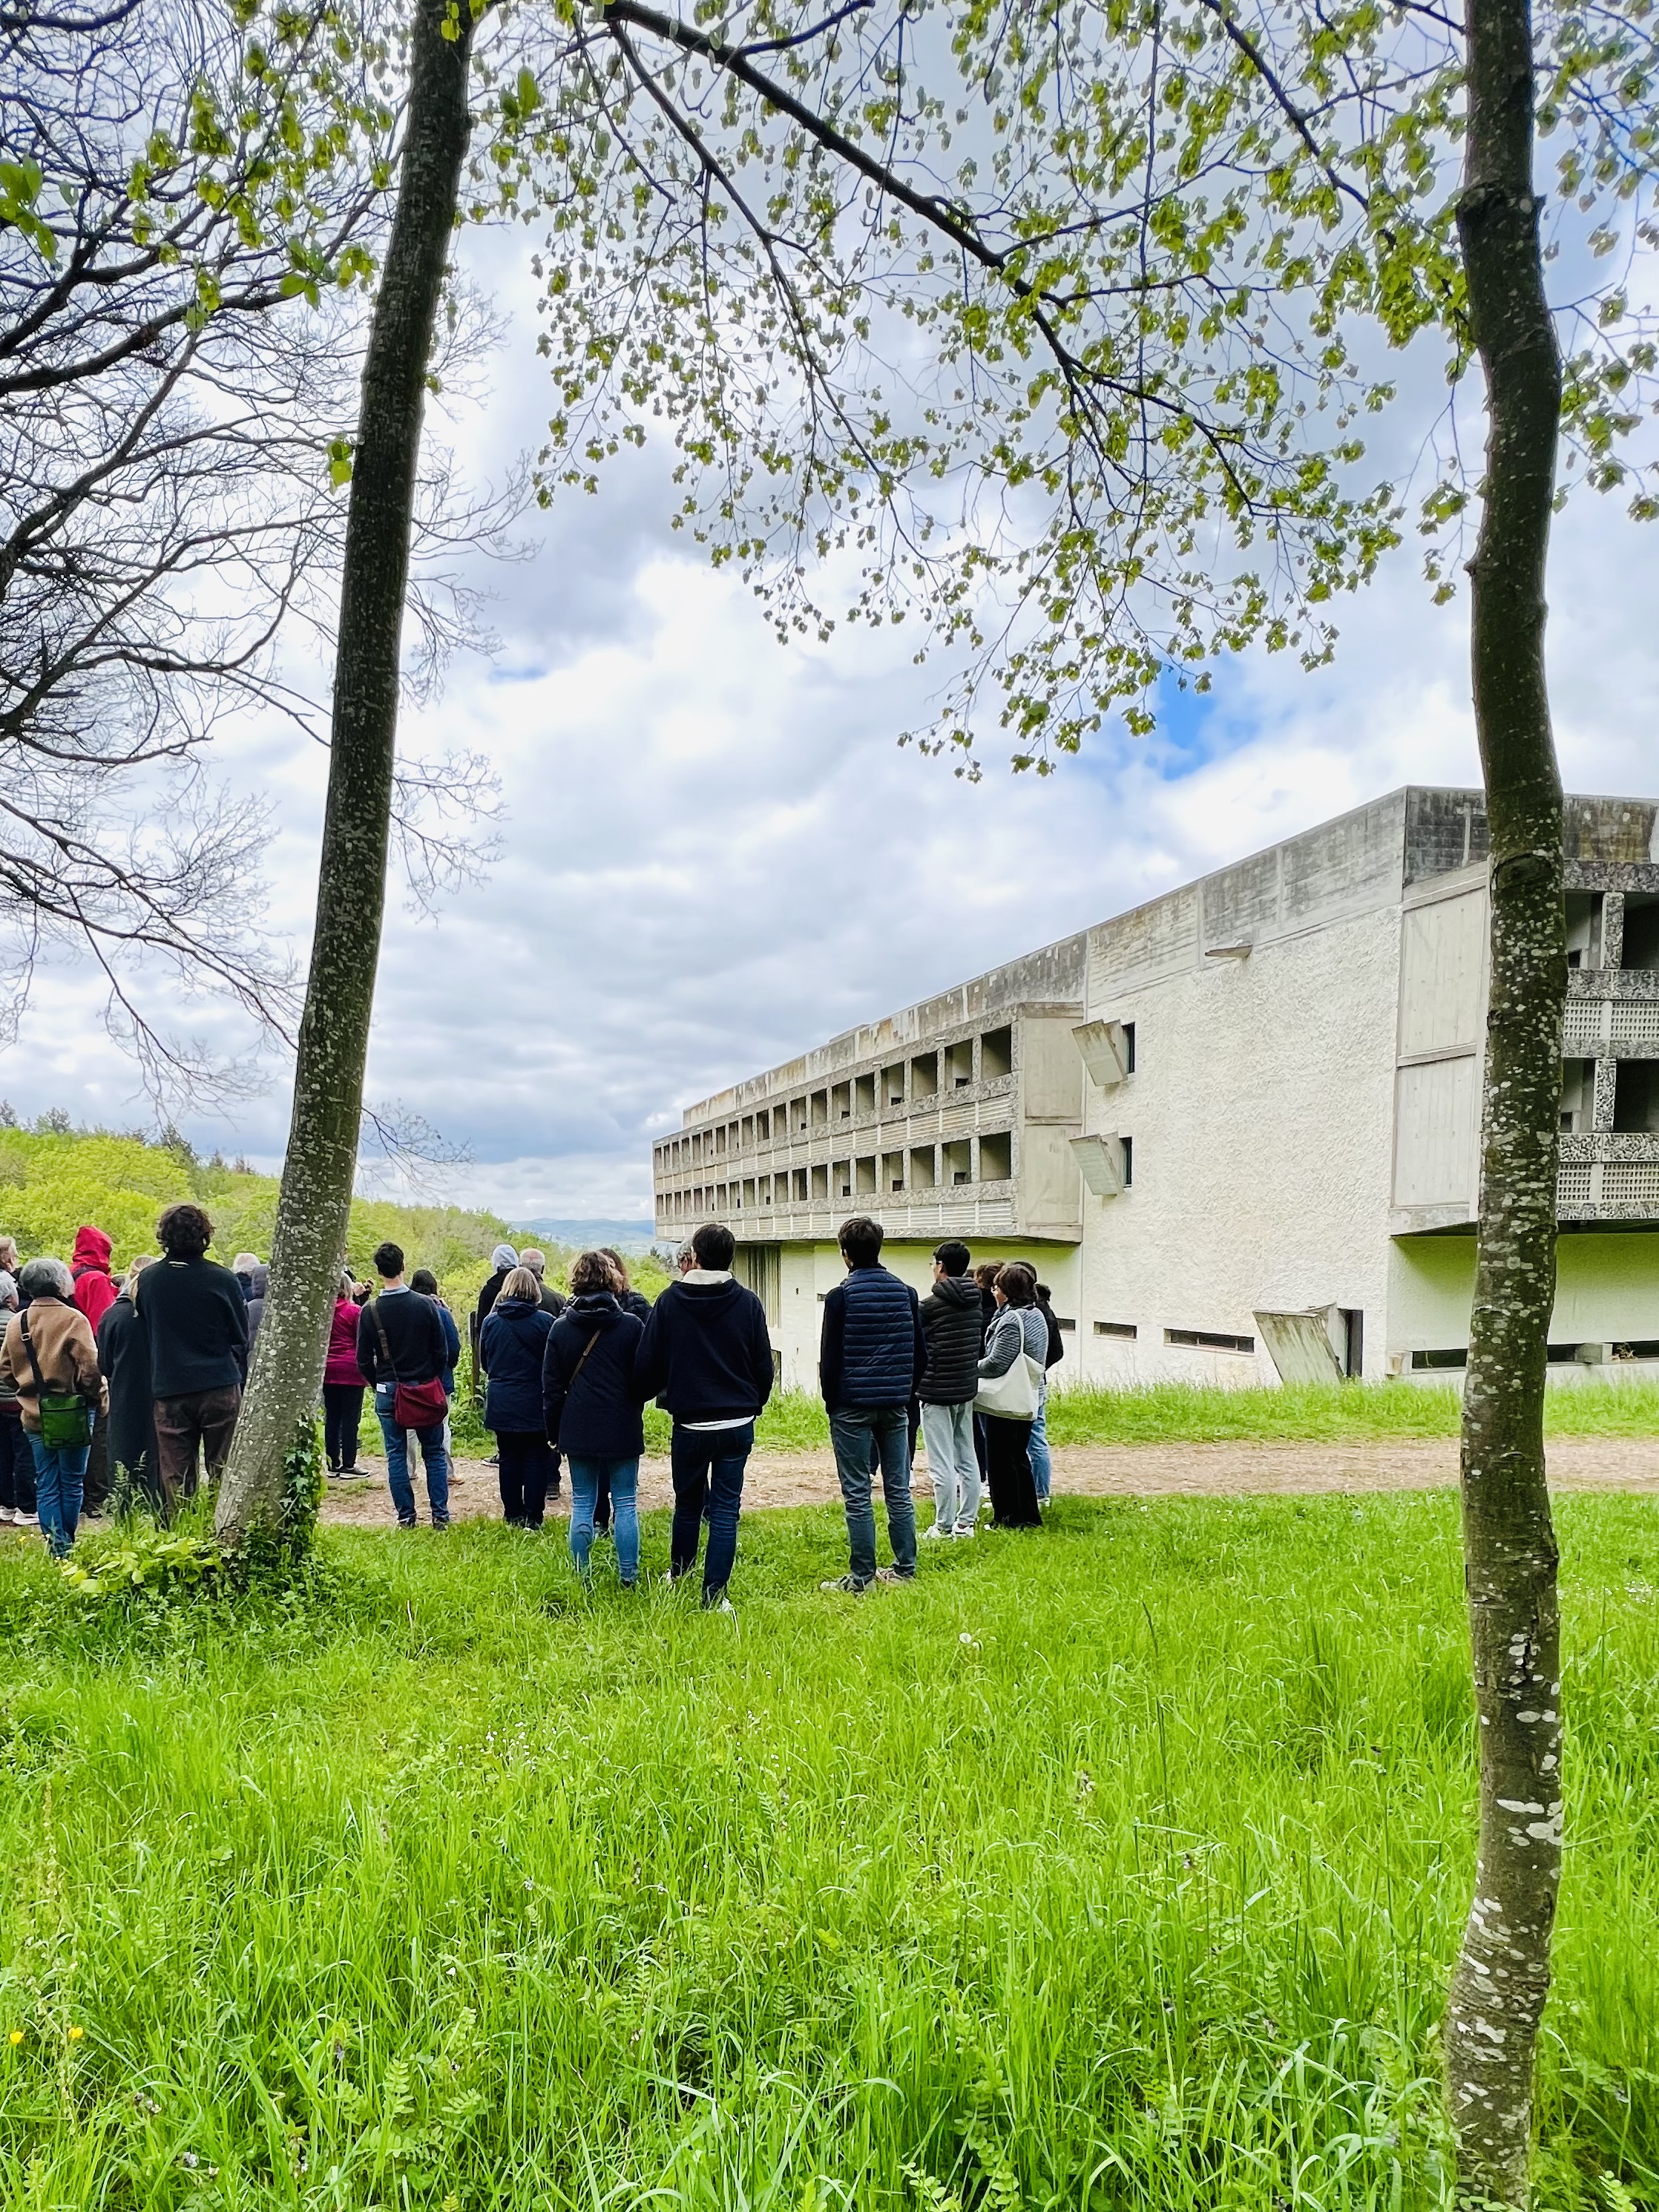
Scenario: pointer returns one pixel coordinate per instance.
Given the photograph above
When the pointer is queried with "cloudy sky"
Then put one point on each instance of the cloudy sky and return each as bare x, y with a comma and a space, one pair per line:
714, 854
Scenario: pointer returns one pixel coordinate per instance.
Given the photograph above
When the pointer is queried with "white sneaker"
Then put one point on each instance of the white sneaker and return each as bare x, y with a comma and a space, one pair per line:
935, 1534
8, 1513
966, 1529
28, 1520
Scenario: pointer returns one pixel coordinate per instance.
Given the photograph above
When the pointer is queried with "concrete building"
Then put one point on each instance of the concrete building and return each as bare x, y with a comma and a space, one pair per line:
1237, 1128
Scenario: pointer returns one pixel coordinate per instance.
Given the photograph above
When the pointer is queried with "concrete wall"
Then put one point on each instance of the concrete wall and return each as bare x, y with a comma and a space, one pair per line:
1607, 1290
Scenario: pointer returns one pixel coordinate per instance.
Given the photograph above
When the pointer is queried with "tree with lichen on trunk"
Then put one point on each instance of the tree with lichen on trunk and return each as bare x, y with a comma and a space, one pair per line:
1058, 329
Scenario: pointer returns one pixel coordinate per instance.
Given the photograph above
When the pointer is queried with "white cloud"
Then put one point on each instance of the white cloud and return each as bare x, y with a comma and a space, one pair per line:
716, 855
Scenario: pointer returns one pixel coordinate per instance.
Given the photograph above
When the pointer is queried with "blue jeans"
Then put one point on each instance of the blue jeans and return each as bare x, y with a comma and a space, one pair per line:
1042, 1467
863, 1435
623, 1476
707, 1466
60, 1477
433, 1455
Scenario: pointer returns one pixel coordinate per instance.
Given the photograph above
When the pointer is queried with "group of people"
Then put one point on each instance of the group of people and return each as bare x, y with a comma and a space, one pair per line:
968, 1364
141, 1380
135, 1382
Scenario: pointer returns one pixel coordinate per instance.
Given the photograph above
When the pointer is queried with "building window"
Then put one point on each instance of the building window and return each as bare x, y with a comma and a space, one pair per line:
1065, 1322
923, 1172
864, 1174
800, 1186
864, 1094
892, 1083
1126, 1146
821, 1182
892, 1170
996, 1055
1123, 1329
1128, 1048
996, 1158
959, 1065
924, 1076
958, 1162
1422, 1362
820, 1110
841, 1103
1209, 1339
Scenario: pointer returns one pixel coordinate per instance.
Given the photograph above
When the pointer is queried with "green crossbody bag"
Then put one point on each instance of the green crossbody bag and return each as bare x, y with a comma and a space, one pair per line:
65, 1416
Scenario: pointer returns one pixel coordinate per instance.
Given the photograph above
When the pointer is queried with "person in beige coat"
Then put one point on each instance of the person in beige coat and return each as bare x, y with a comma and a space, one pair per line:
48, 1350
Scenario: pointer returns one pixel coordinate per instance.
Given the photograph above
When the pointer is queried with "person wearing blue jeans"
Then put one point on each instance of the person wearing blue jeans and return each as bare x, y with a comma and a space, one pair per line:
707, 1356
1036, 1447
620, 1480
872, 1356
48, 1351
59, 1482
434, 1458
591, 1410
707, 1466
400, 1339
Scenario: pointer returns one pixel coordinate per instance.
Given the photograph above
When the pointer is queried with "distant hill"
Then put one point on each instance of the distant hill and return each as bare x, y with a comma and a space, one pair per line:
621, 1235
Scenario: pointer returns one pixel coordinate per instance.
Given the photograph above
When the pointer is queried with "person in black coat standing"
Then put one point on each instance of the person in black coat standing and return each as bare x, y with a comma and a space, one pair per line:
591, 1404
706, 1355
513, 1343
123, 1356
951, 1323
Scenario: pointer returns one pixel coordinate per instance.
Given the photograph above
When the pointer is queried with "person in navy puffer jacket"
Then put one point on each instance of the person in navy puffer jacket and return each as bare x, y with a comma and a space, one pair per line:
512, 1343
872, 1356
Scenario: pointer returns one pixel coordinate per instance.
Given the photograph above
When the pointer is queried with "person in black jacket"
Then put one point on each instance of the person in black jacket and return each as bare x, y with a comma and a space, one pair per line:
549, 1300
591, 1407
123, 1355
514, 1339
706, 1355
400, 1339
631, 1302
950, 1321
195, 1324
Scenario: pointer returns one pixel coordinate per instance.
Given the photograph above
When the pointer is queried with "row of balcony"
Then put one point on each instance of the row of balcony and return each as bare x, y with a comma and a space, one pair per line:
966, 1166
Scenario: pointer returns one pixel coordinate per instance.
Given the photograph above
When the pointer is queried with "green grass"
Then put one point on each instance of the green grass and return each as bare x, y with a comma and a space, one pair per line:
1180, 1413
1114, 1866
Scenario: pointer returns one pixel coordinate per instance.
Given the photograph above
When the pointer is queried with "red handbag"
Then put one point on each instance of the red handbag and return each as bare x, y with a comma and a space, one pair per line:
414, 1405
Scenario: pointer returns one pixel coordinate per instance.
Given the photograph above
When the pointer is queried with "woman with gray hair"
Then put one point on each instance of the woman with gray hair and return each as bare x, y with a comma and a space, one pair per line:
49, 1356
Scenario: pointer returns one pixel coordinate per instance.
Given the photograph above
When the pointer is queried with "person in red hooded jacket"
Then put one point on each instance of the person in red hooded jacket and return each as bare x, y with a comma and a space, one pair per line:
96, 1292
95, 1289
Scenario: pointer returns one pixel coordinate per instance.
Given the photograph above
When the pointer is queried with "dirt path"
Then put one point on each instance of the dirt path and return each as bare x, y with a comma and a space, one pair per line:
1228, 1470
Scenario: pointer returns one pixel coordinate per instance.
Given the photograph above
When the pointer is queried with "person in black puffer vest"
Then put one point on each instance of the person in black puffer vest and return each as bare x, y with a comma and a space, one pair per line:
871, 1357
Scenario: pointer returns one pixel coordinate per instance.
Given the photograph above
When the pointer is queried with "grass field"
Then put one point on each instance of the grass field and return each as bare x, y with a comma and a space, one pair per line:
1118, 1865
1176, 1413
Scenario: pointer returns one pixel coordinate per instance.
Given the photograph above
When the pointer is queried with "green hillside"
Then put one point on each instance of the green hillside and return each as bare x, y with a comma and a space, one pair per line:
52, 1180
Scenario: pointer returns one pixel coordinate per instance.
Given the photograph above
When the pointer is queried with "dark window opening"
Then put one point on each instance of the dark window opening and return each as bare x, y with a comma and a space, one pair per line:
1123, 1329
1063, 1322
996, 1162
1126, 1147
1422, 1362
1209, 1339
1641, 929
1636, 1097
1354, 1342
1584, 929
996, 1055
1128, 1048
1642, 1347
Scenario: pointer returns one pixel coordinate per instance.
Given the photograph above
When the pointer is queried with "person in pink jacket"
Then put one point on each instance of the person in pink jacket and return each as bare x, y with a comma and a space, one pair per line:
342, 1383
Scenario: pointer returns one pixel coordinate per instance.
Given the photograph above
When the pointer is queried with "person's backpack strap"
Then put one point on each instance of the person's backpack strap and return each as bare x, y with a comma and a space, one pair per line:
379, 1331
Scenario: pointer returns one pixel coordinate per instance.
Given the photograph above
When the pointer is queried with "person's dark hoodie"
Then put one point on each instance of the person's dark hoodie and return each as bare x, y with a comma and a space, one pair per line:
705, 1352
590, 1399
1057, 1351
951, 1323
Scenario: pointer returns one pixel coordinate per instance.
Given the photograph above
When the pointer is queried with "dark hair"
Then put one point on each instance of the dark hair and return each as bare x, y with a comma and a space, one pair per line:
986, 1272
714, 1244
1018, 1283
184, 1231
860, 1240
425, 1282
1043, 1293
388, 1259
953, 1257
591, 1272
608, 1252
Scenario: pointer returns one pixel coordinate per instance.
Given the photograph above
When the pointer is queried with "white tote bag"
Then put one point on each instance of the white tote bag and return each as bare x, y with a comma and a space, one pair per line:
1012, 1396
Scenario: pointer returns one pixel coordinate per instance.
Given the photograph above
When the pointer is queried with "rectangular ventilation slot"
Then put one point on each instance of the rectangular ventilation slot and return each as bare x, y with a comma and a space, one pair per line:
1125, 1329
1630, 1182
1430, 1362
1572, 1187
1636, 1027
1209, 1339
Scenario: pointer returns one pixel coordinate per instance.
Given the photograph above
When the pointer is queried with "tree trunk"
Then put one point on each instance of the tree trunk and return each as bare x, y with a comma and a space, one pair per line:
1502, 1978
314, 1206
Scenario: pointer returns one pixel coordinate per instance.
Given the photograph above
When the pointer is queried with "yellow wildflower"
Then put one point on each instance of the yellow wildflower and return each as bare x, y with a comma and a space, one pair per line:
76, 2033
16, 2037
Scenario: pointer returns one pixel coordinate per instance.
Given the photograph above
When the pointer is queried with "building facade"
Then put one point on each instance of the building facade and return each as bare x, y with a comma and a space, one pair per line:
1235, 1129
